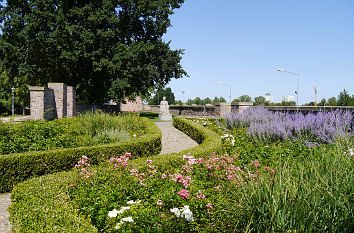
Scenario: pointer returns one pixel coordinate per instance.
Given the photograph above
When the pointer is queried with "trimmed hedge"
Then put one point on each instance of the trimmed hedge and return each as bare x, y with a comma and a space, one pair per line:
16, 168
43, 204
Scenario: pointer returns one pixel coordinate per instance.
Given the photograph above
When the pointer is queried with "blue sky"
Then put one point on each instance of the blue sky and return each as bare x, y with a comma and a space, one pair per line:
242, 43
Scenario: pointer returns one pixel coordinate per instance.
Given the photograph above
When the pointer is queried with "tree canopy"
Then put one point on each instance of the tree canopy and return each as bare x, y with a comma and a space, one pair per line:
170, 96
107, 49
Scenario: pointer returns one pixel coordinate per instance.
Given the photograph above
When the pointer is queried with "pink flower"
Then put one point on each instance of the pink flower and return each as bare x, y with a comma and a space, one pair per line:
149, 161
201, 160
255, 163
266, 168
71, 185
183, 193
272, 172
163, 176
209, 206
159, 203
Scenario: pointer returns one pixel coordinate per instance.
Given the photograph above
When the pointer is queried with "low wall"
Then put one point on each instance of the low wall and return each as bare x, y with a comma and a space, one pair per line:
221, 109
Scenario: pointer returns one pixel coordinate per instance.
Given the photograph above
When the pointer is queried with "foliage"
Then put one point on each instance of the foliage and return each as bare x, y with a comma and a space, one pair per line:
243, 98
269, 126
332, 101
344, 99
106, 49
170, 96
30, 213
85, 130
15, 168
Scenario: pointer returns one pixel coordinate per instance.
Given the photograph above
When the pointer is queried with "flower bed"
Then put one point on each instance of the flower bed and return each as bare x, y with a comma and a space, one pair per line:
268, 126
44, 203
15, 168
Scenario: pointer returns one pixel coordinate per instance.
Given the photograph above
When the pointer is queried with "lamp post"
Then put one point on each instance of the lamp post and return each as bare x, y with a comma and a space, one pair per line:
229, 85
297, 83
13, 100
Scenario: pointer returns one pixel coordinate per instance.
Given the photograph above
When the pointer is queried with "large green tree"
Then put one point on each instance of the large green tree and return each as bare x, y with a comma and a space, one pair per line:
170, 96
106, 48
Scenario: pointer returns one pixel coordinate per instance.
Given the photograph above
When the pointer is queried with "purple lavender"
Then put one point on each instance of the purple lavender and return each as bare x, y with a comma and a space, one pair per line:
266, 125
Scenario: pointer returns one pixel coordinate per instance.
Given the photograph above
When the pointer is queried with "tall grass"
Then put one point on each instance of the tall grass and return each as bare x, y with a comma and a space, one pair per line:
315, 194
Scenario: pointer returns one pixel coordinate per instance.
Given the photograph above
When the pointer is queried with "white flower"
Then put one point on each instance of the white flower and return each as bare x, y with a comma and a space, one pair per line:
351, 152
134, 135
118, 226
131, 202
176, 211
113, 213
187, 213
127, 219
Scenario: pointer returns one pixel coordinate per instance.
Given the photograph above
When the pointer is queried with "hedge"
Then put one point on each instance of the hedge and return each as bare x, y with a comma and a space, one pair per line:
16, 168
43, 204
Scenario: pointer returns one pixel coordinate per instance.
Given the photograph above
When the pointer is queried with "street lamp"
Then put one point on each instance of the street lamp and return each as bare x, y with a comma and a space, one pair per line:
13, 100
297, 83
229, 85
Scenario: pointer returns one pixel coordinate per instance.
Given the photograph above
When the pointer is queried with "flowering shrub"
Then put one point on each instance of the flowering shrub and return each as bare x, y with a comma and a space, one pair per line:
266, 125
197, 186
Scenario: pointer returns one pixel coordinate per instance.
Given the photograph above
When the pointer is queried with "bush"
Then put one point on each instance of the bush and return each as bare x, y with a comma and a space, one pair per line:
85, 130
15, 168
41, 211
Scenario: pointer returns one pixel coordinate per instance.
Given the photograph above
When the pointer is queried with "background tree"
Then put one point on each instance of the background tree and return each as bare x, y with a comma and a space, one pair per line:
107, 48
216, 100
170, 96
245, 98
259, 100
323, 102
332, 101
344, 99
207, 100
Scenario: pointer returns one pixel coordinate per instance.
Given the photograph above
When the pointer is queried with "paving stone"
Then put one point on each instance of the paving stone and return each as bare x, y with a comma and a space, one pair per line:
5, 202
174, 140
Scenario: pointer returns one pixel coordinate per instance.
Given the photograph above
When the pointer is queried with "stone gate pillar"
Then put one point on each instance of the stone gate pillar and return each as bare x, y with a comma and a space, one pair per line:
71, 101
60, 95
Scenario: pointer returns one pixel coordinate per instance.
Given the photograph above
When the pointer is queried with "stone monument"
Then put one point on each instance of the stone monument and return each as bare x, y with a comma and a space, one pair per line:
164, 111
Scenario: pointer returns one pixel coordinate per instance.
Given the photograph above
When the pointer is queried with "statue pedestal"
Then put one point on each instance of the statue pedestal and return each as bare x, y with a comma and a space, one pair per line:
165, 117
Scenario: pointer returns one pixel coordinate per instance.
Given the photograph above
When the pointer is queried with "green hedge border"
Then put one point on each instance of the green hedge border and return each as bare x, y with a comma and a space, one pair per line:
43, 205
16, 168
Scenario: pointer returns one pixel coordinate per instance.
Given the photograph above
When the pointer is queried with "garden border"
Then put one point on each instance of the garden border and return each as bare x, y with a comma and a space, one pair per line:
16, 168
47, 208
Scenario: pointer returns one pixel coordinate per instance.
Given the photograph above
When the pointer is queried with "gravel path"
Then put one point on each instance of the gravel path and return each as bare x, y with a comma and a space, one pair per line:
174, 140
5, 202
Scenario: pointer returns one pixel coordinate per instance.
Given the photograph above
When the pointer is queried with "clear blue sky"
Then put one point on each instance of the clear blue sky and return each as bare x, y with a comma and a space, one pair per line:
243, 42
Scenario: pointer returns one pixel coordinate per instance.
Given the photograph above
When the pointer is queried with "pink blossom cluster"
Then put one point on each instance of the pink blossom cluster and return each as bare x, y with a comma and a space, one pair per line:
122, 161
255, 163
152, 170
82, 162
184, 180
200, 195
184, 193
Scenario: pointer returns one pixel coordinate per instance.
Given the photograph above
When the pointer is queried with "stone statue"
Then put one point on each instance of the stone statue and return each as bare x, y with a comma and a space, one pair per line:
164, 111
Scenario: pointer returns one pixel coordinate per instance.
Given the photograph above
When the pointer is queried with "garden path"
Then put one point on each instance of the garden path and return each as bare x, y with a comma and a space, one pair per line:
174, 140
5, 202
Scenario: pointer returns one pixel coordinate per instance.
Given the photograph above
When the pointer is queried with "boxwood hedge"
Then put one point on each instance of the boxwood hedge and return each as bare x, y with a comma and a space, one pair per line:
43, 204
15, 168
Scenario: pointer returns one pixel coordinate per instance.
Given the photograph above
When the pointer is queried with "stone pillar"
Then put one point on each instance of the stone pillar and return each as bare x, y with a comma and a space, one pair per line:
71, 101
37, 102
60, 94
42, 103
240, 106
225, 108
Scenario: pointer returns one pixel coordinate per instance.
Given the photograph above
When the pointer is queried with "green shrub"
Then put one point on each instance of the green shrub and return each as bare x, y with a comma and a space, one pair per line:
85, 130
15, 168
40, 206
